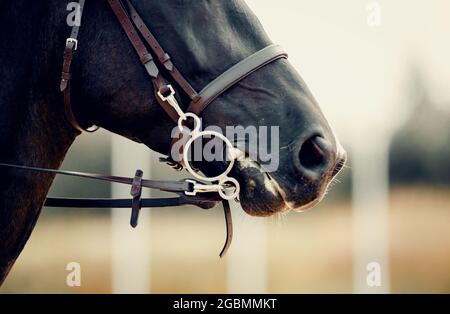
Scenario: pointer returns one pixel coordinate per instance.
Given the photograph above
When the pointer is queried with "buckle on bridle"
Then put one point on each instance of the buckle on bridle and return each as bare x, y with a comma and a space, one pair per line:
223, 188
196, 187
136, 193
167, 93
72, 41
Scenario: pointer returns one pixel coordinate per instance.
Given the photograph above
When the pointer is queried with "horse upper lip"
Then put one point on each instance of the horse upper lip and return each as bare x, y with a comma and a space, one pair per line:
279, 190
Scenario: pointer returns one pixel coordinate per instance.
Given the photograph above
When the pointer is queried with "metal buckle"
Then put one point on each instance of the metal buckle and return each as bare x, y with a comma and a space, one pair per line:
136, 192
202, 188
166, 98
193, 192
72, 40
172, 101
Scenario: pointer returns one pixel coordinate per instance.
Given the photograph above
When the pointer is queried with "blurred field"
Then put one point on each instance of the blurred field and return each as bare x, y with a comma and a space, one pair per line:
308, 252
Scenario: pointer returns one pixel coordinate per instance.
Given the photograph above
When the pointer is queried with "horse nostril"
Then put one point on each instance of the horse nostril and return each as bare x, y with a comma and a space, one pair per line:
314, 153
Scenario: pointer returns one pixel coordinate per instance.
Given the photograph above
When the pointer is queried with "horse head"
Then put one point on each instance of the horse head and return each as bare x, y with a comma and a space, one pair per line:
204, 39
111, 89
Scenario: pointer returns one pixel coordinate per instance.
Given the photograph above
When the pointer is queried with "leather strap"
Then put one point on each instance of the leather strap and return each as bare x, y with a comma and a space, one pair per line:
66, 75
205, 201
159, 83
168, 186
162, 56
144, 56
229, 228
71, 47
234, 75
136, 193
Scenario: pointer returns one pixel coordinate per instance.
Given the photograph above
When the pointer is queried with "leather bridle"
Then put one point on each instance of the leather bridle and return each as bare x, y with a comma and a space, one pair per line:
191, 192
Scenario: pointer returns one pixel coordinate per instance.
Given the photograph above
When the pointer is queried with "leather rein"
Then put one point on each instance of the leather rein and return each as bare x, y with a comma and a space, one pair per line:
191, 192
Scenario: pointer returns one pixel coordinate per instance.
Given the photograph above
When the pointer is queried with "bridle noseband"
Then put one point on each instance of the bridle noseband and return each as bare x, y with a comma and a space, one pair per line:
192, 192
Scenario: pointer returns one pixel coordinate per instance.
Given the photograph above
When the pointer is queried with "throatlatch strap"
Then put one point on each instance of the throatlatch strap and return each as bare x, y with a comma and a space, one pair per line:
66, 75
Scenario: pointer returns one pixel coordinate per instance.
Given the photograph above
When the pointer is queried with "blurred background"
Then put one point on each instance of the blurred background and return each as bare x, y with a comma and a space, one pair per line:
380, 71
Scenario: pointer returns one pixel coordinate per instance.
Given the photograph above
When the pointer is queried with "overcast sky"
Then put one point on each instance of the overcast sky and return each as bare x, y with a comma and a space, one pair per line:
357, 72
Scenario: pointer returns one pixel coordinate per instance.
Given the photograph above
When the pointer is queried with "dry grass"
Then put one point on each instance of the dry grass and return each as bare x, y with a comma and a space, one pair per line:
308, 252
420, 240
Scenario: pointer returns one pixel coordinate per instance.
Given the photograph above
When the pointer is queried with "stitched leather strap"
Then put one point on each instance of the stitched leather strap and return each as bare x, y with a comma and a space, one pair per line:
234, 75
159, 83
162, 56
71, 47
66, 75
144, 56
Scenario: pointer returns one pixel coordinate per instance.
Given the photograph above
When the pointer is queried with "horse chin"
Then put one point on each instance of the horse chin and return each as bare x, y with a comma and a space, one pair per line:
260, 194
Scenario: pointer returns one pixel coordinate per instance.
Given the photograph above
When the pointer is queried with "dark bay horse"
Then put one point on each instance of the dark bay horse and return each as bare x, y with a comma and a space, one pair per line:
110, 89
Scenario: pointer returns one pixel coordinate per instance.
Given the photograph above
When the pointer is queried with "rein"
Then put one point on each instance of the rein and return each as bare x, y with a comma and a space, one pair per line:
190, 192
221, 188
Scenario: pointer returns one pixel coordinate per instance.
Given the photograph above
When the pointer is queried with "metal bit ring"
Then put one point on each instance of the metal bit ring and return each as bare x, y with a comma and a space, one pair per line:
186, 163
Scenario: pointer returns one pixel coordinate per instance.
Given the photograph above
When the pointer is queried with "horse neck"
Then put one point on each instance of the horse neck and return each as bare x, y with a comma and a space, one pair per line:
34, 133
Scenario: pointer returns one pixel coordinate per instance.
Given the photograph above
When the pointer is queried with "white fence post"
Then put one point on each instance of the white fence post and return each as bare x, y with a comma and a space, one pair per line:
370, 197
